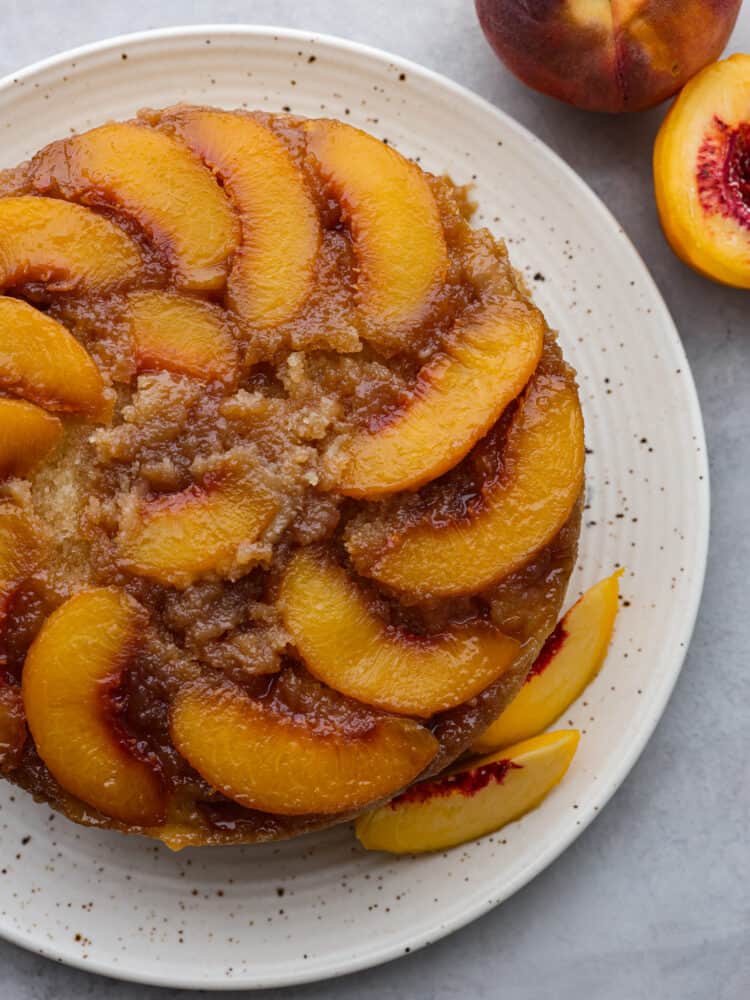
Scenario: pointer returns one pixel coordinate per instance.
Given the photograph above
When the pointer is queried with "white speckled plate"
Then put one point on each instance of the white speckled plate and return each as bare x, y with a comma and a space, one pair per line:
320, 906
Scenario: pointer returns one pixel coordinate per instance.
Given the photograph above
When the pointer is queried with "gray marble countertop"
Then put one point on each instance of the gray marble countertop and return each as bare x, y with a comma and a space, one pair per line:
654, 898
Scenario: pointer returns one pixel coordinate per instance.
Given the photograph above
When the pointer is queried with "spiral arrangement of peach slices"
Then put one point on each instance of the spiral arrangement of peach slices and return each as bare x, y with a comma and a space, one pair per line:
209, 256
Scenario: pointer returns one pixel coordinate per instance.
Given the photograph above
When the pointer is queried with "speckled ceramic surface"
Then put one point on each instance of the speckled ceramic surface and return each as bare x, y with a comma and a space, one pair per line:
321, 906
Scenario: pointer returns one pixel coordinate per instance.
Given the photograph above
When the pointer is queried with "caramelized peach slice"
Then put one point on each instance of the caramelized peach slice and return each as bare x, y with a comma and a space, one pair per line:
180, 537
129, 167
349, 648
389, 207
18, 552
181, 334
702, 172
281, 764
27, 434
273, 271
458, 396
42, 361
64, 246
472, 800
13, 732
70, 673
518, 513
568, 662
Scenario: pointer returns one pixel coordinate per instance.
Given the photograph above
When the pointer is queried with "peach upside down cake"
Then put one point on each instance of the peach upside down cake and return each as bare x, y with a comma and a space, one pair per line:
291, 475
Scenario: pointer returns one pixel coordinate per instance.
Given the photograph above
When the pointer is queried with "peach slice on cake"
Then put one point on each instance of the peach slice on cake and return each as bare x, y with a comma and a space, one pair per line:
568, 662
391, 212
351, 649
128, 167
64, 246
71, 672
27, 434
272, 273
18, 552
283, 763
178, 538
41, 361
181, 334
471, 800
702, 172
458, 396
517, 513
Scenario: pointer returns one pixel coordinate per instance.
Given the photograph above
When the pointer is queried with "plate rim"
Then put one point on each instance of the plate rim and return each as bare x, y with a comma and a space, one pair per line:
474, 909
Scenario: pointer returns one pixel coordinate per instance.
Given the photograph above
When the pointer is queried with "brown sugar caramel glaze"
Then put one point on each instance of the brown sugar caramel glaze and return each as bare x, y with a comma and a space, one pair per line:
298, 389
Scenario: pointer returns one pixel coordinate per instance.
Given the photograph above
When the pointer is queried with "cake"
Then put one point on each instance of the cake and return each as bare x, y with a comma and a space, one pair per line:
291, 475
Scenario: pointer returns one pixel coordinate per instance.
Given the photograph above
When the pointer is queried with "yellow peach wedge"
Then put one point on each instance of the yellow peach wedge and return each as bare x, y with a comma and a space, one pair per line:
27, 434
472, 800
180, 334
273, 271
18, 552
70, 673
347, 646
458, 396
125, 166
391, 212
282, 764
568, 662
179, 538
517, 514
702, 172
64, 246
43, 362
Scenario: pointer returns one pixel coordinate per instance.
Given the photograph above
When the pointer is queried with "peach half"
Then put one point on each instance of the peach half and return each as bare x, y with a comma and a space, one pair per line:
71, 671
41, 361
458, 396
27, 434
272, 273
64, 246
702, 172
517, 514
179, 538
126, 166
621, 55
393, 218
351, 649
471, 800
282, 764
181, 334
569, 660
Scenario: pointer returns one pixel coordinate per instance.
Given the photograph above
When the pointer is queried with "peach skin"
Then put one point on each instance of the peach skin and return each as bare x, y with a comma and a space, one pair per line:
623, 55
570, 659
470, 800
702, 172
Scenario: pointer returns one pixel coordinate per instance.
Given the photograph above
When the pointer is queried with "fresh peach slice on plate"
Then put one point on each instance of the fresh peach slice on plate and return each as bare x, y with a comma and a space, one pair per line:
282, 763
702, 172
27, 434
41, 361
391, 212
351, 649
13, 731
64, 246
181, 334
458, 396
272, 272
568, 662
126, 166
178, 538
472, 800
517, 514
71, 671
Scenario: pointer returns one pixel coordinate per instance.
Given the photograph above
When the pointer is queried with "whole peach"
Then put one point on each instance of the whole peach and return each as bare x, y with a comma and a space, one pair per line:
607, 55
